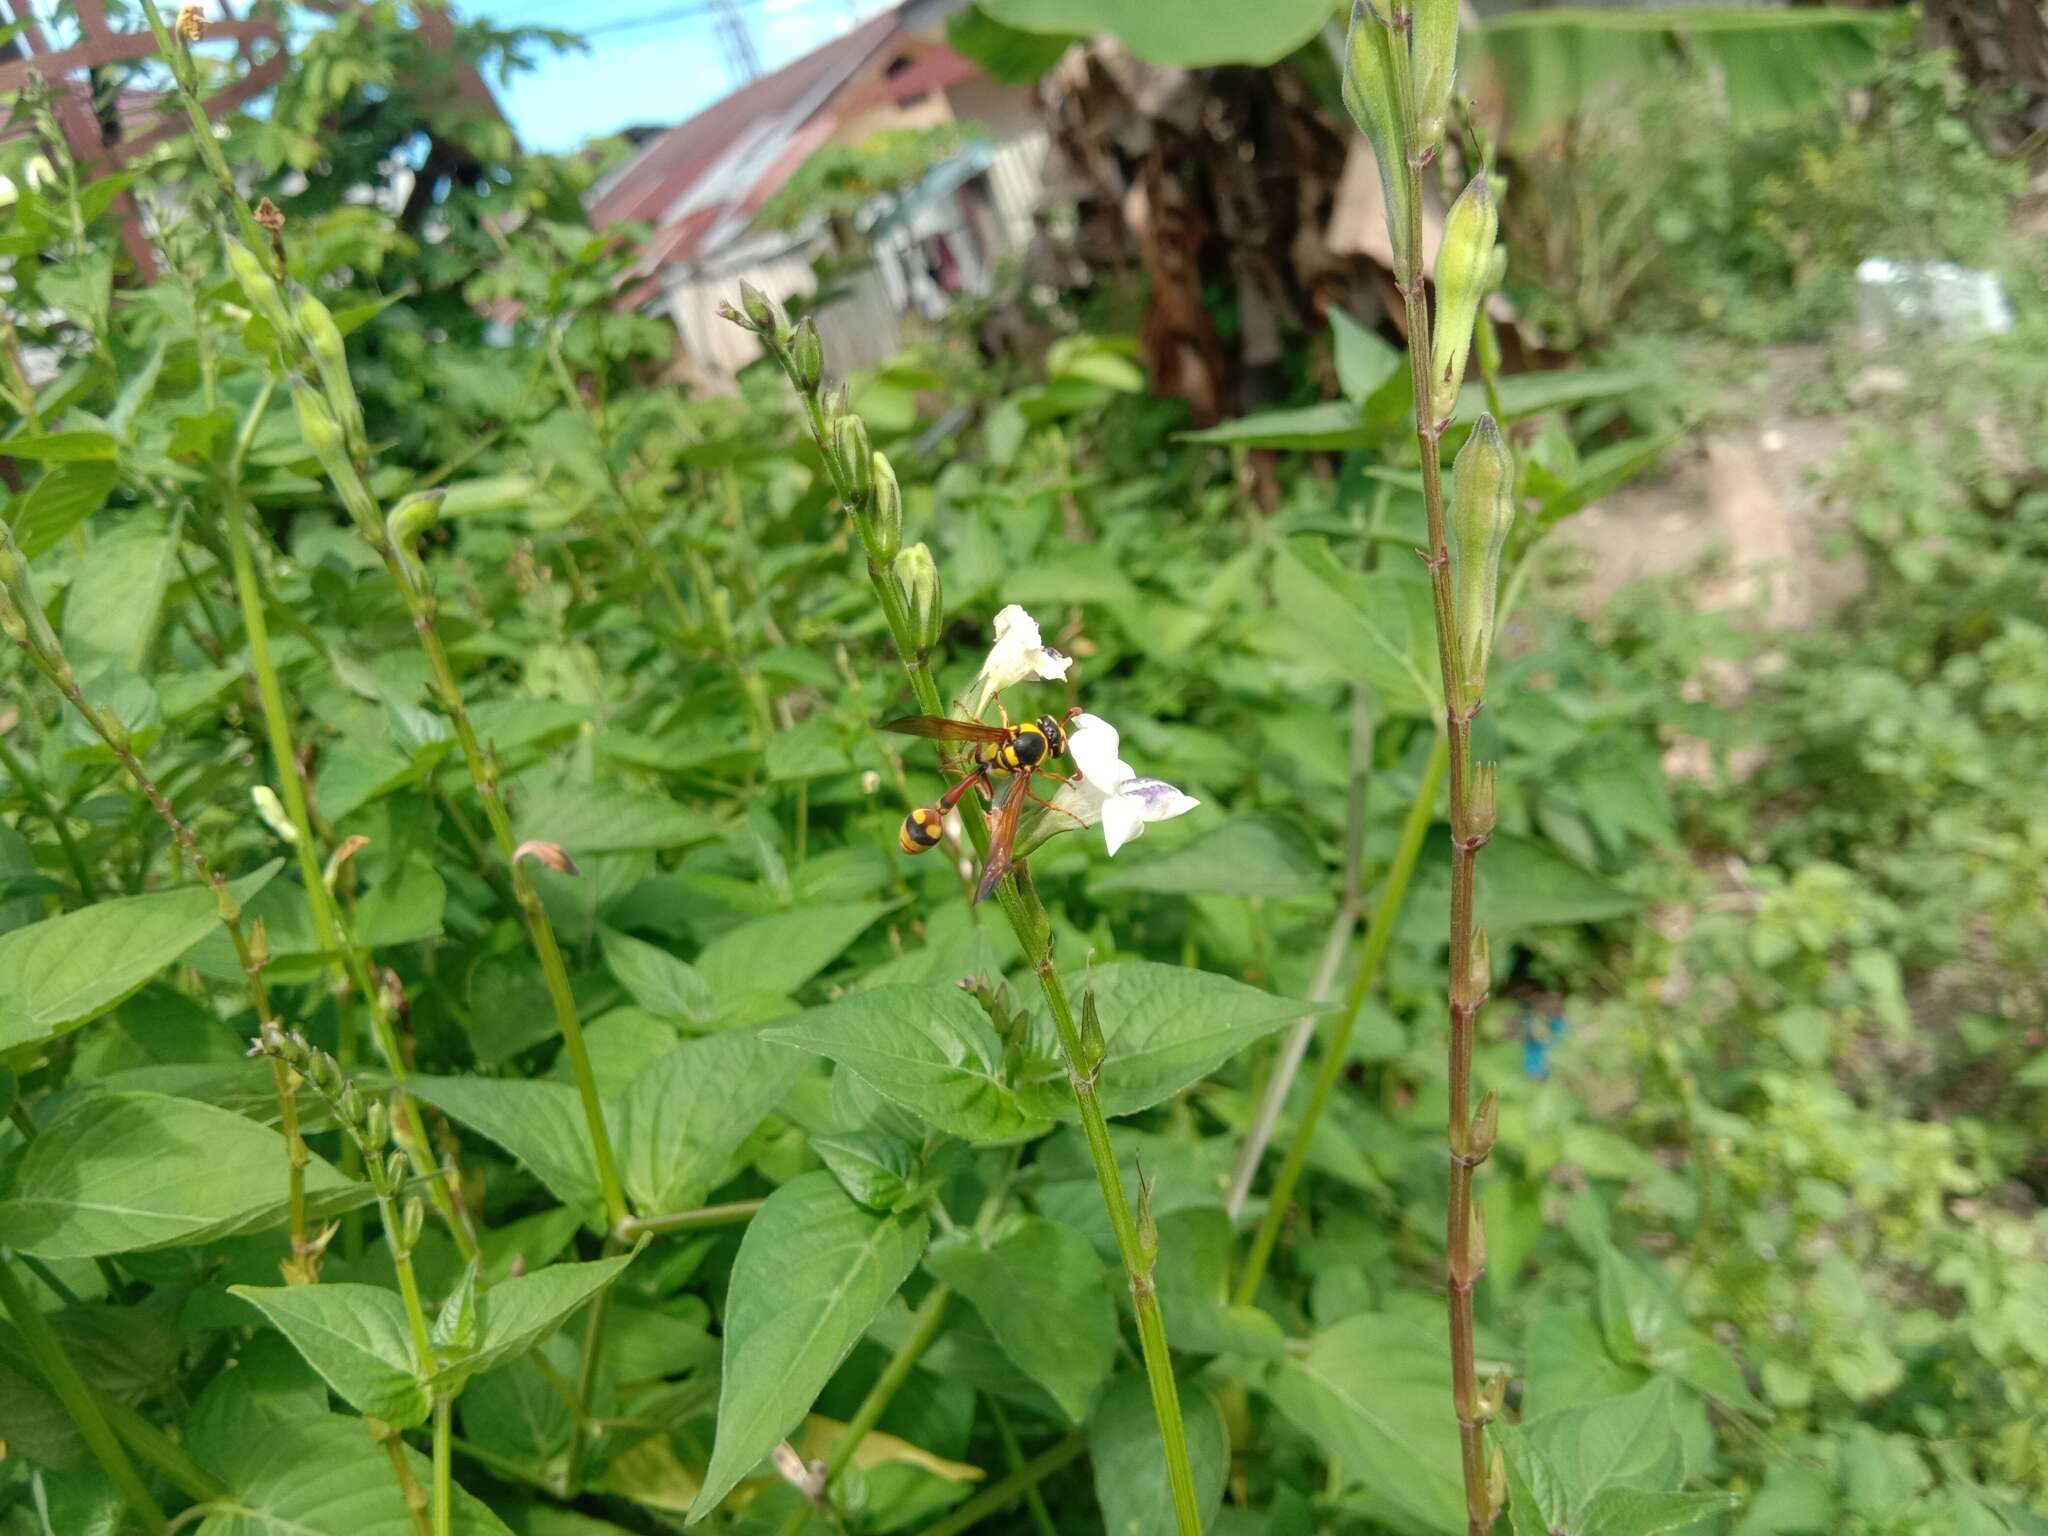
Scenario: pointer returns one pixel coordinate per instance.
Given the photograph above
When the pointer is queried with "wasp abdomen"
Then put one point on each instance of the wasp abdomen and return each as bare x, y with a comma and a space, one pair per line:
920, 830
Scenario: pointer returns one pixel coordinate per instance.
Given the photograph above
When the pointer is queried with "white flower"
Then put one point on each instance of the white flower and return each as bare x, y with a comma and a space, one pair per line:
1019, 654
1108, 793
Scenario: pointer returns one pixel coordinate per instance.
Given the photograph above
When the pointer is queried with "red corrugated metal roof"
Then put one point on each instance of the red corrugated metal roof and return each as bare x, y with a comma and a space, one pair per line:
723, 164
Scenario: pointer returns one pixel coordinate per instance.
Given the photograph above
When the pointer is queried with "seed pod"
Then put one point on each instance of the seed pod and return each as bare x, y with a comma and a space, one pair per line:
259, 945
376, 1126
1435, 28
349, 1107
1482, 515
1497, 1480
885, 518
330, 358
1370, 97
1493, 1396
260, 289
1479, 811
917, 578
807, 357
412, 1220
1093, 1047
492, 493
324, 436
856, 461
1148, 1226
1463, 262
395, 1170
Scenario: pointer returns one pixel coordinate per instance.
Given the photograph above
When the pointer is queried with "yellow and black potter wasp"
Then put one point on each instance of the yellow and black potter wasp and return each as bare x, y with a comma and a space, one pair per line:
1014, 751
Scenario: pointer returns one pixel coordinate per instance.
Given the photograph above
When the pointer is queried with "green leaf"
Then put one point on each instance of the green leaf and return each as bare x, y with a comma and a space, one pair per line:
110, 613
403, 908
1165, 1027
539, 1122
356, 1337
1604, 472
66, 971
59, 502
1189, 33
1192, 1276
680, 1122
1005, 53
59, 447
1039, 1287
1129, 1458
1364, 361
665, 986
1615, 1442
1372, 1392
589, 819
1250, 856
1330, 427
1628, 1512
1375, 628
929, 1048
517, 1314
811, 1274
782, 951
1523, 883
126, 1172
325, 1476
872, 1166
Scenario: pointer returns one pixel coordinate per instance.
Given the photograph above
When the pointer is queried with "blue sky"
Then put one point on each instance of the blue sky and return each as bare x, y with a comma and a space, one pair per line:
650, 61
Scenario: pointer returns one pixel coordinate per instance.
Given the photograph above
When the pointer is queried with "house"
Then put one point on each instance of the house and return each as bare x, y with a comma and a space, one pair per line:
700, 184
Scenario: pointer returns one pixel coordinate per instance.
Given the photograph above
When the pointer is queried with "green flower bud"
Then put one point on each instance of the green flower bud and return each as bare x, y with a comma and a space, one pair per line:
395, 1170
259, 944
1497, 269
1463, 262
1482, 515
1479, 1142
324, 437
494, 493
807, 357
413, 516
917, 578
886, 518
1370, 98
325, 1072
763, 313
22, 618
330, 357
349, 1107
376, 1126
1435, 25
259, 288
856, 460
1148, 1226
1497, 1473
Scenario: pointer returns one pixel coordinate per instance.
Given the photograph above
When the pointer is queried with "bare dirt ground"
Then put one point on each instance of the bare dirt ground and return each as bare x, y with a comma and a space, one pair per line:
1737, 506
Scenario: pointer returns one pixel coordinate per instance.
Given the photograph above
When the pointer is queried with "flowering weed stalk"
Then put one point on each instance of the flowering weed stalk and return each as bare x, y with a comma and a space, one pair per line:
1397, 84
22, 620
907, 586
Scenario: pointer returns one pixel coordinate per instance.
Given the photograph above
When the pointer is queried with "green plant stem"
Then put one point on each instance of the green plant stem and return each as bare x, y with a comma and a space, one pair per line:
328, 926
179, 59
302, 1267
1028, 921
483, 773
444, 1480
1464, 1262
1013, 1453
78, 1399
924, 1327
998, 1494
586, 1388
409, 1487
1378, 934
731, 1214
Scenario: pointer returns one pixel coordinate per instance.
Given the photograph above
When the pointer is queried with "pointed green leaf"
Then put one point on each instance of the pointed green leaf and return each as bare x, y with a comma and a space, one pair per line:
1039, 1287
356, 1337
538, 1121
516, 1314
680, 1122
665, 986
1372, 1391
812, 1272
125, 1172
1165, 1027
929, 1048
782, 951
66, 971
1129, 1458
1627, 1512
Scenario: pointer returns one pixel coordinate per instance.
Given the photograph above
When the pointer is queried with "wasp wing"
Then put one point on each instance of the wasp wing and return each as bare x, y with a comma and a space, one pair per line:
1002, 834
944, 728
